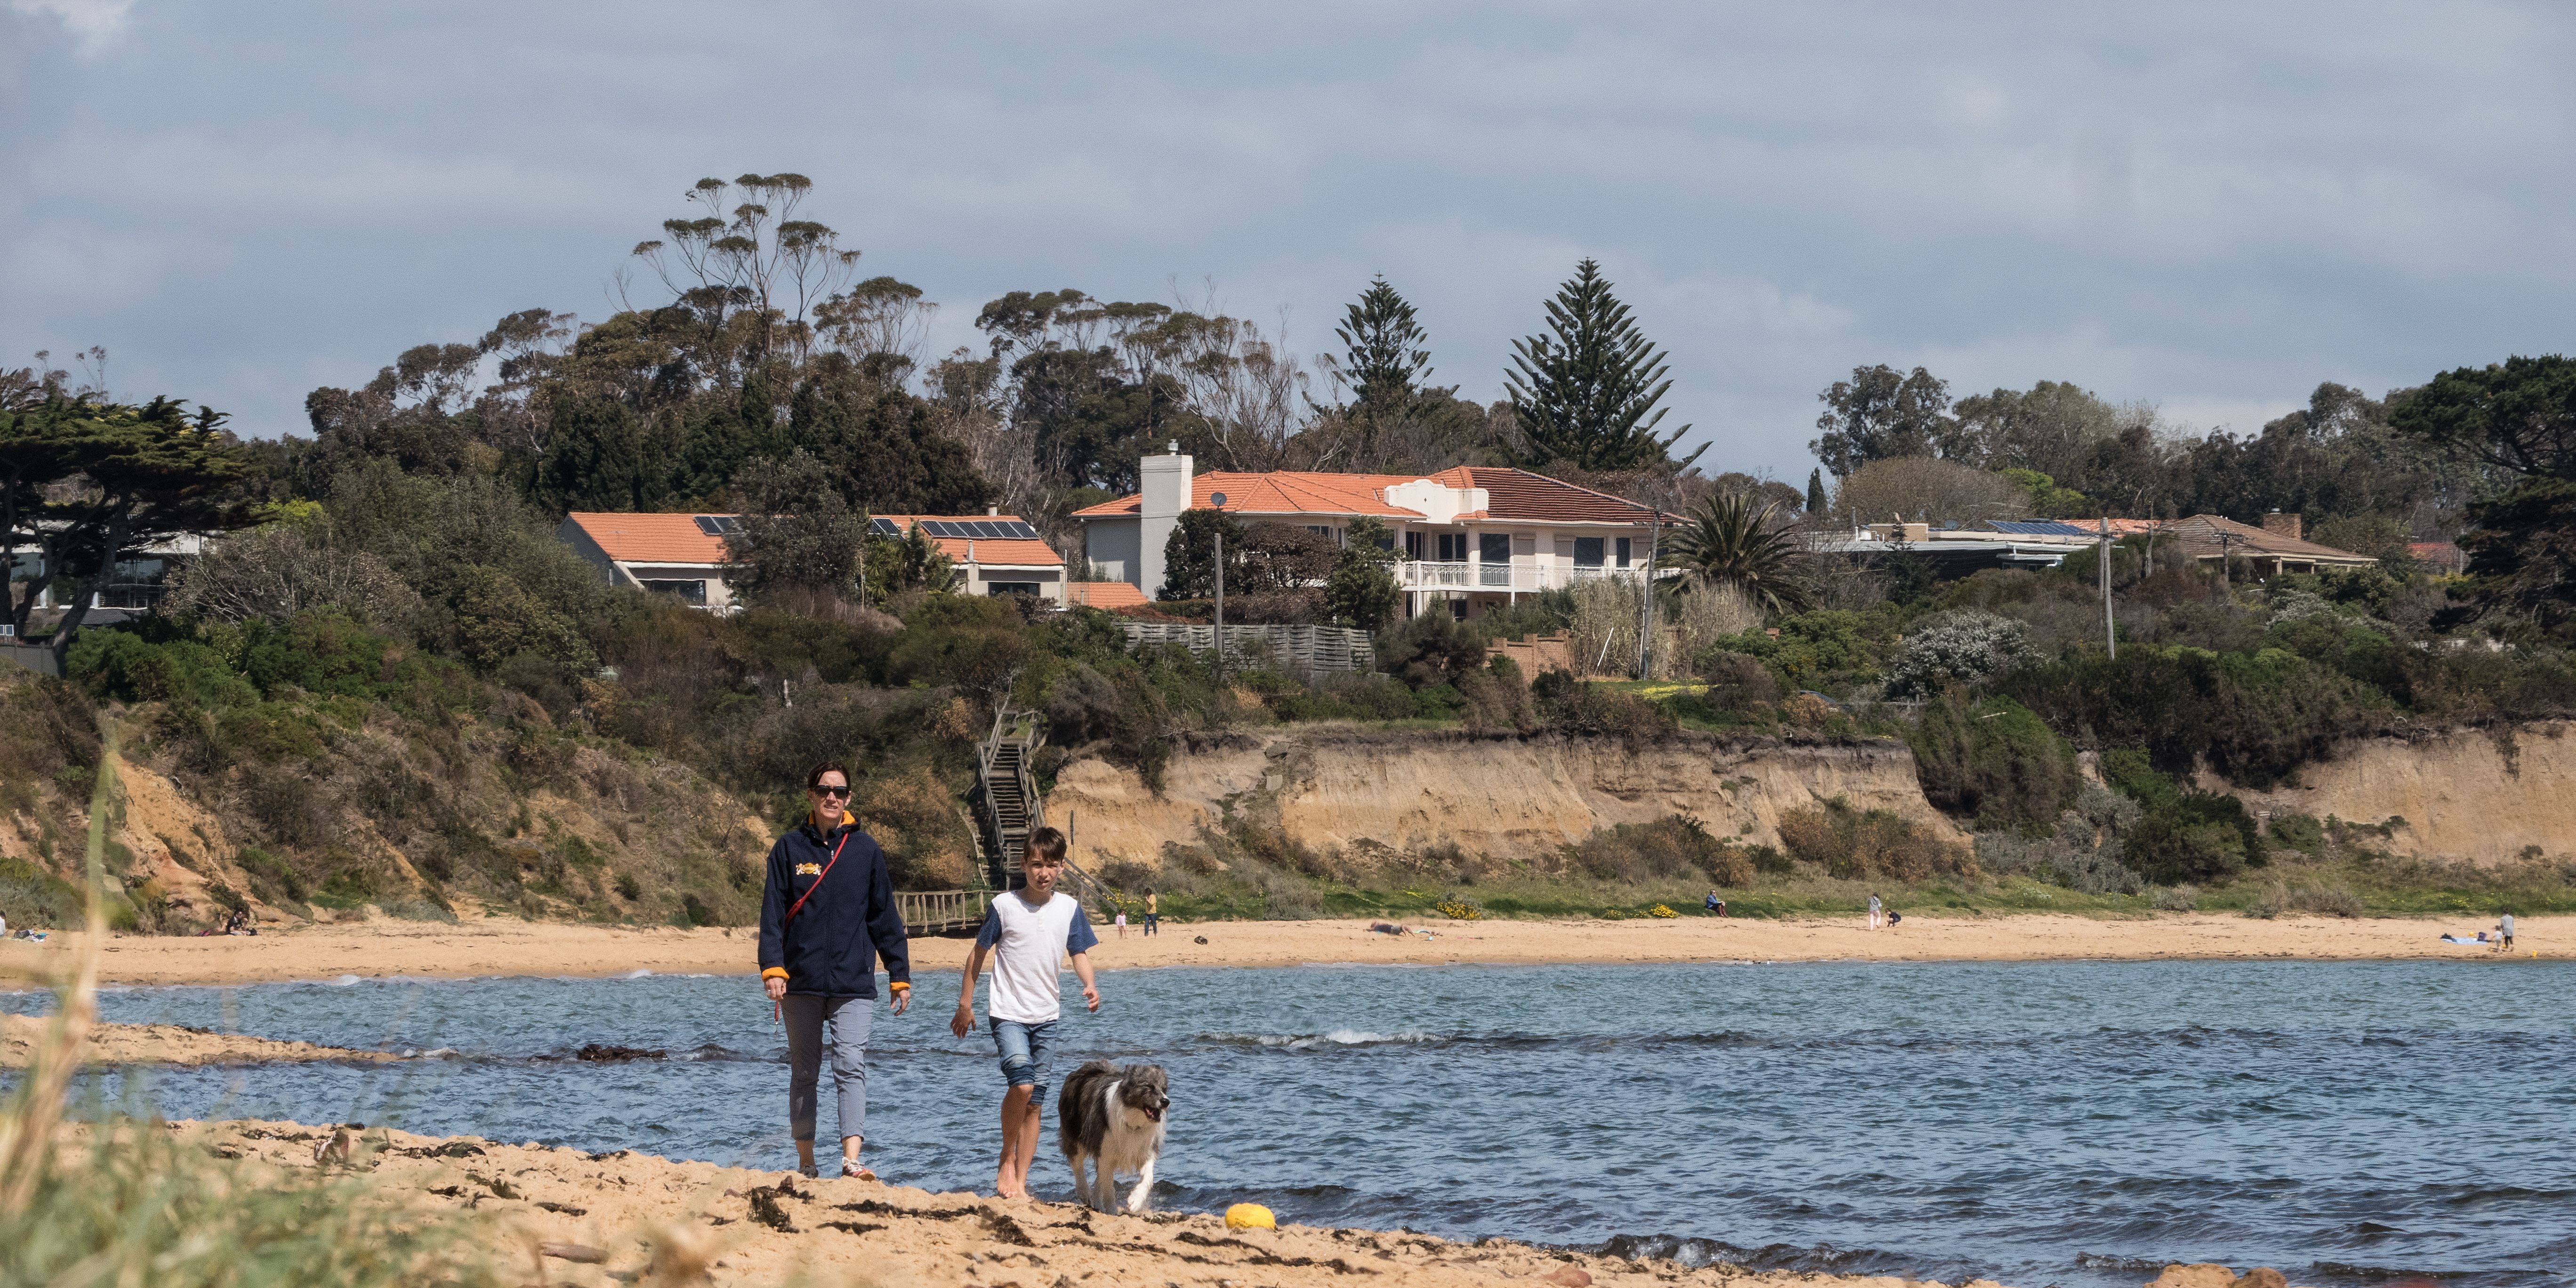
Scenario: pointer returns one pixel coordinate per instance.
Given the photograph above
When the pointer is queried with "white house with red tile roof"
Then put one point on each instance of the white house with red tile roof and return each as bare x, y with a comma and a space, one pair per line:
685, 554
994, 553
677, 554
1476, 536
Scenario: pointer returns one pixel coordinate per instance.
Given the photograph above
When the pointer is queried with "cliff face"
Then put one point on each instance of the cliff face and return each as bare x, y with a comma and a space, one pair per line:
2472, 795
1508, 797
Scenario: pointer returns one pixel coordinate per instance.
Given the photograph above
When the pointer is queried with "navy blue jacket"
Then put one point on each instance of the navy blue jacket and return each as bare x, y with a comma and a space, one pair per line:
832, 949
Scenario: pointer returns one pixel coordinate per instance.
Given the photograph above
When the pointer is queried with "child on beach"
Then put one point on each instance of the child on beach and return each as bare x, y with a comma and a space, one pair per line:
1026, 932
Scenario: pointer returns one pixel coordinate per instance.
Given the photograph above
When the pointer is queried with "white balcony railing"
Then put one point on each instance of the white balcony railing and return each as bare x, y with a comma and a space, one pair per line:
1522, 575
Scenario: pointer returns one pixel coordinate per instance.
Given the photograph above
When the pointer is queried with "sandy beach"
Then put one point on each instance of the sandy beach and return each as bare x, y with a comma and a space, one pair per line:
563, 1216
508, 946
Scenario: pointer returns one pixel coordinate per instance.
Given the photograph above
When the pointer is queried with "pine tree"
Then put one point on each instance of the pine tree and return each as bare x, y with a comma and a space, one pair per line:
1815, 492
1387, 360
1587, 391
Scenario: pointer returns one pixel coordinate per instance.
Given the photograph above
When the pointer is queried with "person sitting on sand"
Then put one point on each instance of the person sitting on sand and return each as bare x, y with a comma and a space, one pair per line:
821, 933
1026, 932
1712, 903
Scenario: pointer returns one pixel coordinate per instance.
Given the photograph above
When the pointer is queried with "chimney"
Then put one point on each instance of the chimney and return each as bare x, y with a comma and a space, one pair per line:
2282, 525
1164, 493
992, 510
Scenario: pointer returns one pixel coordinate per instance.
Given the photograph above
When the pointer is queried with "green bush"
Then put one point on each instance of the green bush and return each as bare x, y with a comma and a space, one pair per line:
1995, 762
1676, 845
1857, 845
2184, 836
116, 663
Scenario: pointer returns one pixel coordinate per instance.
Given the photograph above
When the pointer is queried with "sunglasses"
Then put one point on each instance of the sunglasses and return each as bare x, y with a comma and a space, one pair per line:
829, 791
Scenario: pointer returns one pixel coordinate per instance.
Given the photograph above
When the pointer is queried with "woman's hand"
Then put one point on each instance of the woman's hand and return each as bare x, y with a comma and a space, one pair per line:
776, 986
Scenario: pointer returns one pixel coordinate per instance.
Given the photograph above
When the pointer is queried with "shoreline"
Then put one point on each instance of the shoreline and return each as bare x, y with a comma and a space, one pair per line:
510, 947
595, 1219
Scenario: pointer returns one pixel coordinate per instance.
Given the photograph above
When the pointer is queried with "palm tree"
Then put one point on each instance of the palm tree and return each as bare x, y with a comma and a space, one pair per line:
1732, 542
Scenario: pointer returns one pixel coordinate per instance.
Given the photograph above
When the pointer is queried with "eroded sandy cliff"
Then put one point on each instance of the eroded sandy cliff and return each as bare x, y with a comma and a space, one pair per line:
1510, 797
2475, 795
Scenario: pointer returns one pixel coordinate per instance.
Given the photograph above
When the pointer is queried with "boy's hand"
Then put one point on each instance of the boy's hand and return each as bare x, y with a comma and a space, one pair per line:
1091, 995
963, 1022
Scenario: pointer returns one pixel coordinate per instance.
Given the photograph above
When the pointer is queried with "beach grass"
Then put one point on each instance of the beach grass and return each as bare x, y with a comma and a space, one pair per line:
124, 1198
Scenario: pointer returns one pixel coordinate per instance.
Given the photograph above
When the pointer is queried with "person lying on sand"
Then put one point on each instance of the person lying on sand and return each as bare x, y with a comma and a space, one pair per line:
1026, 932
826, 915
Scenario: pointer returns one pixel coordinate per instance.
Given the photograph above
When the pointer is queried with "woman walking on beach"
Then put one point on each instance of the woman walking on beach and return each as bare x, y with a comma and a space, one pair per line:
826, 914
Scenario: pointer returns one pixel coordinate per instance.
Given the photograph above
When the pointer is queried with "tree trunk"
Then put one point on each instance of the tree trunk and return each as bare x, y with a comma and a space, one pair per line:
109, 551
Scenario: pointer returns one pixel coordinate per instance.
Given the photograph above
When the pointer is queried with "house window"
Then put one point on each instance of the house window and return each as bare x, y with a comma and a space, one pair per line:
690, 592
1413, 546
1524, 546
1453, 547
1494, 547
1587, 552
1028, 588
1623, 552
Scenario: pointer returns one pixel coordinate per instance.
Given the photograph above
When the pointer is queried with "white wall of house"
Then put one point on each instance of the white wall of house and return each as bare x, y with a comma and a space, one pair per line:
1164, 493
1046, 582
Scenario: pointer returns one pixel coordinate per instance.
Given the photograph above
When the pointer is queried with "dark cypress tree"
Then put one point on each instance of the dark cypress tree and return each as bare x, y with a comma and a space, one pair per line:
1586, 392
1815, 492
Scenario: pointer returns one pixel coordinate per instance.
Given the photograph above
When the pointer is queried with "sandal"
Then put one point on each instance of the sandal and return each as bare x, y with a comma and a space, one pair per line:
851, 1171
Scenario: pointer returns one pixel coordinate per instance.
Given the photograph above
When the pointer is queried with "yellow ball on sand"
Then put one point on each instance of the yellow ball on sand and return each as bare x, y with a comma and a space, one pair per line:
1250, 1216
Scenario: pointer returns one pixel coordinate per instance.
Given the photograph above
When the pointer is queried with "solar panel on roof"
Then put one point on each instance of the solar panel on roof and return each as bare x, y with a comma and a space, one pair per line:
2039, 528
884, 528
718, 525
1022, 531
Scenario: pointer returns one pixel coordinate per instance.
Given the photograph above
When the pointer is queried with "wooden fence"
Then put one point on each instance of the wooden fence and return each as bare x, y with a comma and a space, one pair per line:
1289, 648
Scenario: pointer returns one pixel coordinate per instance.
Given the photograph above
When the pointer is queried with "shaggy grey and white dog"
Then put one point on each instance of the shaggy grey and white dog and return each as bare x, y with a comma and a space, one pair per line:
1112, 1117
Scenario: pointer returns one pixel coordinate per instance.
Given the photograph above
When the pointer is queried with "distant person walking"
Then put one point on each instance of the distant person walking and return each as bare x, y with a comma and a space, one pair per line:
1153, 912
2504, 933
827, 914
1873, 910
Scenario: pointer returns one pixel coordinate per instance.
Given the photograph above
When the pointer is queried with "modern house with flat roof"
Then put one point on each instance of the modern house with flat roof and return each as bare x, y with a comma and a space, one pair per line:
1474, 537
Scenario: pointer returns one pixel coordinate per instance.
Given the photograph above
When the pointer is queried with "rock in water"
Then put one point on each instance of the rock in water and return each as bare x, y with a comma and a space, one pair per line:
600, 1054
2261, 1277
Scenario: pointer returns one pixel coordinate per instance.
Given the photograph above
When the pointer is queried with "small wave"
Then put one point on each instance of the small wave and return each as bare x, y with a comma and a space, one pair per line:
1334, 1038
637, 973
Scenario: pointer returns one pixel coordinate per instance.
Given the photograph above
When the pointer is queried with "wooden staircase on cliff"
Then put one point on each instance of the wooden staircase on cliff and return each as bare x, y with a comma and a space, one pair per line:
1010, 808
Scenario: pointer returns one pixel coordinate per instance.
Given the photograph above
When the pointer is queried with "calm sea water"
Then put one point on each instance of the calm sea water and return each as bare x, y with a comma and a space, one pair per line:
2075, 1124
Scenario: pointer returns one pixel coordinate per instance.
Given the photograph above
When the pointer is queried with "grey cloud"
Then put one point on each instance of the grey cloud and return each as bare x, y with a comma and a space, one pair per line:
2208, 205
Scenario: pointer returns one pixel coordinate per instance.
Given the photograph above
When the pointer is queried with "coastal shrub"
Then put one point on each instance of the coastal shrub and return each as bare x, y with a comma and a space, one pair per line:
1496, 697
2194, 836
1965, 647
2181, 898
2255, 717
1674, 846
1996, 762
34, 897
1574, 706
1823, 649
120, 664
1861, 845
1736, 681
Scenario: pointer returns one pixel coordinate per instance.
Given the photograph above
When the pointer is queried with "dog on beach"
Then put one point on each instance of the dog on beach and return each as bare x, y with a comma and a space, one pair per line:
1112, 1117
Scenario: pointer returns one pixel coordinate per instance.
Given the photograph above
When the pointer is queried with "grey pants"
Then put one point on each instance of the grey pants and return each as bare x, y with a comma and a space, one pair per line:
849, 1018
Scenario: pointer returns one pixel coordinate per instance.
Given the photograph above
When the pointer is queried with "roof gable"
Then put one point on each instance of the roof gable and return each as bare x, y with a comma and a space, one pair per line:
1512, 495
652, 538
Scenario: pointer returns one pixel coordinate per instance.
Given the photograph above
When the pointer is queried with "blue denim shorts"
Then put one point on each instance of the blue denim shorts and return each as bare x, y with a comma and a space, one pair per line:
1024, 1055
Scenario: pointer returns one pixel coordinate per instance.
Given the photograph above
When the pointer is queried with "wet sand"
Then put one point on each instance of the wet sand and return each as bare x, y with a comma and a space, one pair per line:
168, 1044
508, 946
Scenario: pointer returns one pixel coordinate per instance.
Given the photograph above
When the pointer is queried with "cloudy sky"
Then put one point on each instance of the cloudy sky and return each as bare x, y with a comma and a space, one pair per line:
2212, 207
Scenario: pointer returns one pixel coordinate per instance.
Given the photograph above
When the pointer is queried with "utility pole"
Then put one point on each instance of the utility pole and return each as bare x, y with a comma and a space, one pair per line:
1646, 595
2226, 588
2110, 629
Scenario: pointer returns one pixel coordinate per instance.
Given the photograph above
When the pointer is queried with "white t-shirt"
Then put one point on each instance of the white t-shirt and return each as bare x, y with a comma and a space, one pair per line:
1029, 944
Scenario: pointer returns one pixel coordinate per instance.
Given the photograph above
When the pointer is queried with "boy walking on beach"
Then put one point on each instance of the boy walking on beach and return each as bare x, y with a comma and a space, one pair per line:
1026, 932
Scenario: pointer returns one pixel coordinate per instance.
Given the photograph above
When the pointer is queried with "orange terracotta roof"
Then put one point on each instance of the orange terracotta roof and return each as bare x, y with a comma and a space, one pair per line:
1280, 492
992, 551
651, 538
1104, 594
1512, 494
